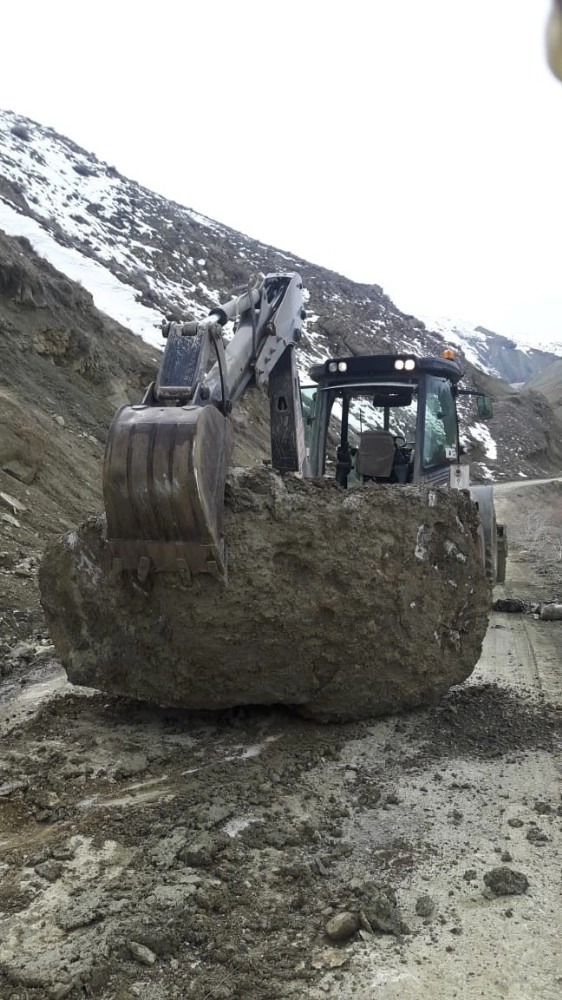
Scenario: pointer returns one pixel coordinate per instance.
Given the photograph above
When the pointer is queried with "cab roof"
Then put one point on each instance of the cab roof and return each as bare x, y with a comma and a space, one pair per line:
375, 365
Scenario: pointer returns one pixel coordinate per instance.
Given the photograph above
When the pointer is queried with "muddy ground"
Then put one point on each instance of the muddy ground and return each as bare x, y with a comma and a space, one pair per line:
158, 854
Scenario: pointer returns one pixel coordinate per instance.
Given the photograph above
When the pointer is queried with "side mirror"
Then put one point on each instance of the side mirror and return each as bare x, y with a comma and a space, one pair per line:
485, 408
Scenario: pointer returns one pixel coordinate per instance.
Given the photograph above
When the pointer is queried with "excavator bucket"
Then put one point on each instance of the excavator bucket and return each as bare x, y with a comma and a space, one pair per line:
164, 476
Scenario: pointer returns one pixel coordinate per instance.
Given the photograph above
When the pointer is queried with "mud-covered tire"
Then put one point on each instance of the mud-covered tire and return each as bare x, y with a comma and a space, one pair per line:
484, 497
502, 553
481, 545
491, 563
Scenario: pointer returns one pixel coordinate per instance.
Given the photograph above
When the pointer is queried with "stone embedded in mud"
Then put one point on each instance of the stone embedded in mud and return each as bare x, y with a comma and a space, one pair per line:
59, 991
551, 612
331, 606
81, 912
425, 906
511, 605
506, 882
10, 787
50, 870
141, 953
342, 926
536, 836
380, 912
330, 958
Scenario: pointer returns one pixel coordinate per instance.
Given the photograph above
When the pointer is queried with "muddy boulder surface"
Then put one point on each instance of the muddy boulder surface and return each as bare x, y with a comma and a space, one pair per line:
346, 604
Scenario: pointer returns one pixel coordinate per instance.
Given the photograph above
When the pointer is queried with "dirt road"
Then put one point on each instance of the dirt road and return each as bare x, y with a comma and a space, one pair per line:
163, 855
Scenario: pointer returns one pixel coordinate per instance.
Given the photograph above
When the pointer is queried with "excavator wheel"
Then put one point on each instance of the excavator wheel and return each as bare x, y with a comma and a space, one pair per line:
502, 553
484, 497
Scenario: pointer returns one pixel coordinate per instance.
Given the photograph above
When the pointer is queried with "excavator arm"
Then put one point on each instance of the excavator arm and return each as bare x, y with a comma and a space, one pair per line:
167, 458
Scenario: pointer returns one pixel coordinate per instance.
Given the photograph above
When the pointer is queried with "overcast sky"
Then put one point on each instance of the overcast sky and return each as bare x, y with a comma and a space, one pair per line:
417, 145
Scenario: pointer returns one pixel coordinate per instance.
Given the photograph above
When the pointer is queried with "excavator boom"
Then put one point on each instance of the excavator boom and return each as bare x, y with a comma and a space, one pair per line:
167, 459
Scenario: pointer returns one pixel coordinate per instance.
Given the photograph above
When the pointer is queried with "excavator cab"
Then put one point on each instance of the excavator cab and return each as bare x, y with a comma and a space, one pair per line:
384, 418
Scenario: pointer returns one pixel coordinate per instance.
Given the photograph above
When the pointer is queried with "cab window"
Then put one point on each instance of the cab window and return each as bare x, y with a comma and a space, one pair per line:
440, 423
308, 402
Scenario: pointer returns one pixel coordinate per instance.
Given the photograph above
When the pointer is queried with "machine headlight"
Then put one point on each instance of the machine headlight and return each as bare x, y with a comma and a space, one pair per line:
399, 364
333, 367
409, 364
342, 366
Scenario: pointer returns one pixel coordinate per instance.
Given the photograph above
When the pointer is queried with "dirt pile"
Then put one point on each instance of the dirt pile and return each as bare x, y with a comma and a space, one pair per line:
346, 604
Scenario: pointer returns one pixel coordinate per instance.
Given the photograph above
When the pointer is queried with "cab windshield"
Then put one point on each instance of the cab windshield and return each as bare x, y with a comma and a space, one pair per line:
372, 432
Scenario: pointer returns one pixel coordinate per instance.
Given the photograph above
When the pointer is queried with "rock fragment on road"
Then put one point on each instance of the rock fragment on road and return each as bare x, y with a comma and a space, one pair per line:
343, 926
551, 612
506, 882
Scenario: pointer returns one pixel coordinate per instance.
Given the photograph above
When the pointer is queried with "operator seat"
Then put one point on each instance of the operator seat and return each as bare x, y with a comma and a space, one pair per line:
375, 455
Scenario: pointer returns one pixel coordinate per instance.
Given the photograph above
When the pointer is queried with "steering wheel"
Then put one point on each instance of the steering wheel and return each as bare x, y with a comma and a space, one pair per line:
399, 441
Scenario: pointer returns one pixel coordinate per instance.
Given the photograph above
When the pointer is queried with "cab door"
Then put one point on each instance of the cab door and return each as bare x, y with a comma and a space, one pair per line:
308, 403
438, 430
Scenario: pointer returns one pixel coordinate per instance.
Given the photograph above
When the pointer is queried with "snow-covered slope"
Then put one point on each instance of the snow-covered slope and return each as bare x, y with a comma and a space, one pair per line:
110, 295
516, 361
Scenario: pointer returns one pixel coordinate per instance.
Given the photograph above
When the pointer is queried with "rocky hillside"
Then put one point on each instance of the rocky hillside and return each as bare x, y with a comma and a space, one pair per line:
549, 384
143, 257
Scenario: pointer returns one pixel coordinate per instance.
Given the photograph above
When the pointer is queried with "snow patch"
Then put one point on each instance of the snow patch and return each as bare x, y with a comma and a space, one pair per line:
482, 433
420, 551
236, 826
110, 295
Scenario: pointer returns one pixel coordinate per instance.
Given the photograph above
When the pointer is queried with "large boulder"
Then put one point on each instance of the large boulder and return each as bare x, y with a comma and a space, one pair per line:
343, 603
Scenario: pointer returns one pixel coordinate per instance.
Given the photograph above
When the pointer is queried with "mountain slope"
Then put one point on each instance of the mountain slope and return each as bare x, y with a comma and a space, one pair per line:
549, 383
144, 257
515, 362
